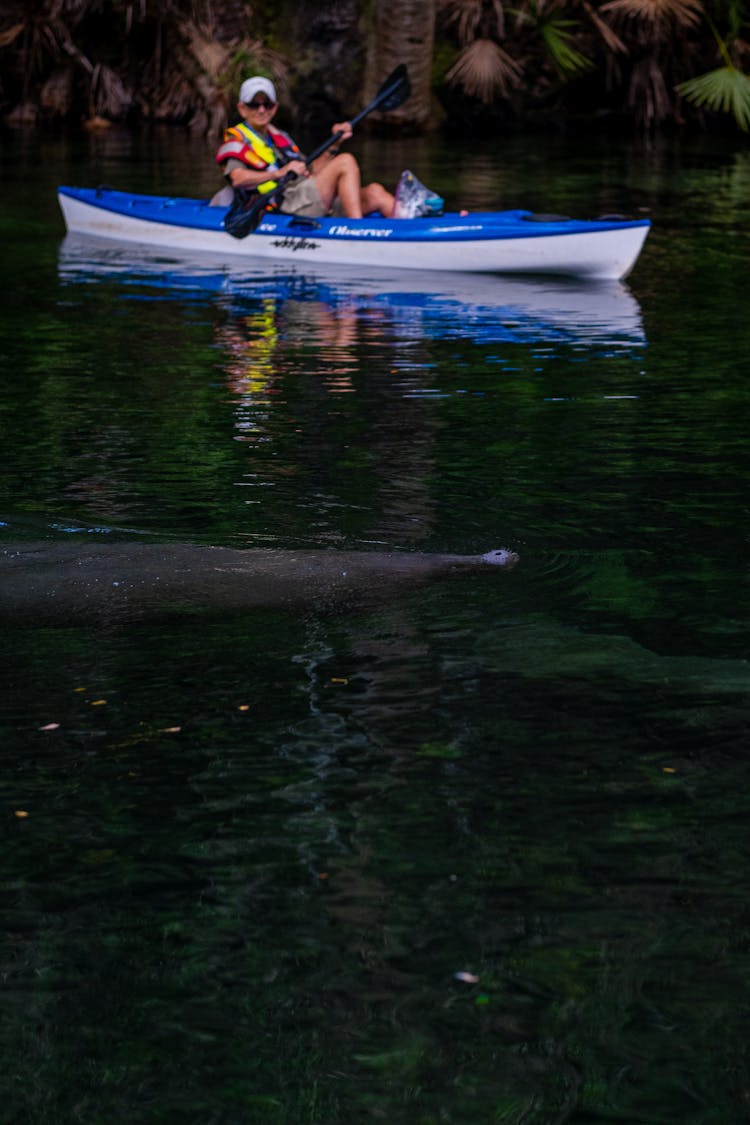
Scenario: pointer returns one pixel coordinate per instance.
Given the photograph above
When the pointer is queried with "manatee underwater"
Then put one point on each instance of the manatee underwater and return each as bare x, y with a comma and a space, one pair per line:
71, 581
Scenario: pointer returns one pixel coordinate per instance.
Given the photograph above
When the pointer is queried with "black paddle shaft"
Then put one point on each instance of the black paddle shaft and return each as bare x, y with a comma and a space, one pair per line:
248, 208
393, 93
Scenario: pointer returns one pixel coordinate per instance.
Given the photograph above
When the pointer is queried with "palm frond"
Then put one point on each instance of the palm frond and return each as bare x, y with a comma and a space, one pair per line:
609, 36
11, 34
648, 95
498, 11
566, 58
725, 90
557, 39
463, 15
674, 13
108, 96
483, 69
473, 19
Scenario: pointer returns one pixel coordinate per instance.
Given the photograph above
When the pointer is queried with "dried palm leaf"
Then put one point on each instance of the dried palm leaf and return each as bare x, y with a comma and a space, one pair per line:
648, 95
210, 55
70, 48
174, 99
56, 93
499, 18
11, 34
108, 96
463, 15
472, 19
657, 13
609, 36
483, 69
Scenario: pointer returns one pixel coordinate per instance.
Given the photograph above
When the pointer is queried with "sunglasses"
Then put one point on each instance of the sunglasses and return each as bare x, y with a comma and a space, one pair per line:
264, 104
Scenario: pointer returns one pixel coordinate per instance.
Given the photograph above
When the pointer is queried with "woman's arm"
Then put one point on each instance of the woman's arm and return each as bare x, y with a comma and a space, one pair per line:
246, 177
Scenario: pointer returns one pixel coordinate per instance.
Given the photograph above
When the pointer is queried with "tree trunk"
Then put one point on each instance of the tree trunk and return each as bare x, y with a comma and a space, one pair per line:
403, 32
326, 58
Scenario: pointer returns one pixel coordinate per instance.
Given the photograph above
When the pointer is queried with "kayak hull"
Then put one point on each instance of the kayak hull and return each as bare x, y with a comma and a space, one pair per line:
478, 242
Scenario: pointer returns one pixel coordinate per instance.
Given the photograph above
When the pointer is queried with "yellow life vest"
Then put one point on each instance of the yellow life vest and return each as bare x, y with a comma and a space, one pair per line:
244, 144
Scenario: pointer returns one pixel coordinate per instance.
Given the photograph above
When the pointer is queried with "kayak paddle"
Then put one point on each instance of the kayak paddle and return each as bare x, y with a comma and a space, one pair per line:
249, 205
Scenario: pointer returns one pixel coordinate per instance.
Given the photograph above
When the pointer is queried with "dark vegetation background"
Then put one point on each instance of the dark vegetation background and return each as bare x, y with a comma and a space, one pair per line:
474, 64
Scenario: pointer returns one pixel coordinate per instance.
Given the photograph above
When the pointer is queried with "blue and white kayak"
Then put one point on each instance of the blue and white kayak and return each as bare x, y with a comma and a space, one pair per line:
478, 241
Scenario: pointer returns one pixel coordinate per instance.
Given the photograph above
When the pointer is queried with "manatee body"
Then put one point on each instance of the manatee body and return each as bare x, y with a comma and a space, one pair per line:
122, 581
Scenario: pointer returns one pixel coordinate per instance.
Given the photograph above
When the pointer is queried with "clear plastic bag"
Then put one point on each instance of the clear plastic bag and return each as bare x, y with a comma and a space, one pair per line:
414, 200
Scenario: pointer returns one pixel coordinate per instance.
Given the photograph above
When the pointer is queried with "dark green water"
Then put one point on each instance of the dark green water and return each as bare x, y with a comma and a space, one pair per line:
258, 849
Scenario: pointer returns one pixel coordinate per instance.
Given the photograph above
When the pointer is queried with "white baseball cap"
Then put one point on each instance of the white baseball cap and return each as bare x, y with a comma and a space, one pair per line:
257, 85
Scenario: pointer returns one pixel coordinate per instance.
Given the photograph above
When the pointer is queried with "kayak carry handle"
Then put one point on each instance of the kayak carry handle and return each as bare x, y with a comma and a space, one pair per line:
306, 222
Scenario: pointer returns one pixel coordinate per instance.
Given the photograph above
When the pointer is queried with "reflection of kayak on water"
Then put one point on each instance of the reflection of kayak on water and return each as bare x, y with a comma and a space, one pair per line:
477, 242
478, 307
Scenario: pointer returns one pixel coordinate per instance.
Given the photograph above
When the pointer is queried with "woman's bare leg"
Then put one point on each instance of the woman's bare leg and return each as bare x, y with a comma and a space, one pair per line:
340, 177
374, 197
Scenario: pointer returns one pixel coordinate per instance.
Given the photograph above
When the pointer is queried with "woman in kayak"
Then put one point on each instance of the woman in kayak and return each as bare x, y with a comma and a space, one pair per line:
253, 152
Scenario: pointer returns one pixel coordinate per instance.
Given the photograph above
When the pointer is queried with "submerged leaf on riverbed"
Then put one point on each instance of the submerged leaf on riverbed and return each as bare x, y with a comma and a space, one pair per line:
439, 750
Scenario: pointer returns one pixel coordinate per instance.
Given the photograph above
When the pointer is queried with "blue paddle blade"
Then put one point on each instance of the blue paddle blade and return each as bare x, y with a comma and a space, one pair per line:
245, 213
395, 90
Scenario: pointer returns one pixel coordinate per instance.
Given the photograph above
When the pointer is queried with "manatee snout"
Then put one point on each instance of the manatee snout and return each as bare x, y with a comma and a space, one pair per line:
500, 557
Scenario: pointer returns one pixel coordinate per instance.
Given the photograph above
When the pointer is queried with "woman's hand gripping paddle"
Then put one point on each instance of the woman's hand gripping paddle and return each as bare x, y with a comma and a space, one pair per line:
249, 206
